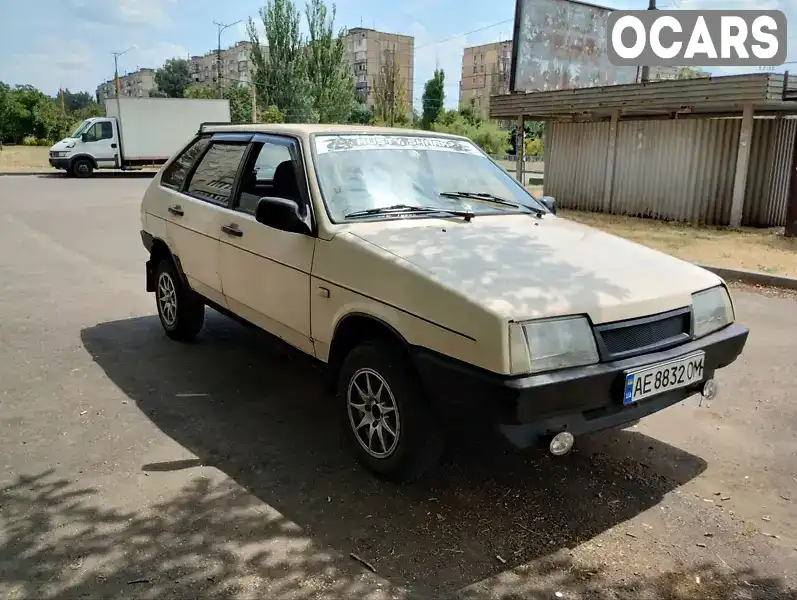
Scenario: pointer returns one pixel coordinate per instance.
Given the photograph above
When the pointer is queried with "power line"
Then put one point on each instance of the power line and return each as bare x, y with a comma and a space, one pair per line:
453, 37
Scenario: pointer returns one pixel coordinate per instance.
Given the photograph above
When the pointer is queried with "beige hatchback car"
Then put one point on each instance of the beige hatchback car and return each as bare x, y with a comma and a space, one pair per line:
436, 289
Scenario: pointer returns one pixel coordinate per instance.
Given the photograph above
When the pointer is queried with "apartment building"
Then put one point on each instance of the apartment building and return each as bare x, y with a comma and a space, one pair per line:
485, 72
132, 85
236, 65
367, 51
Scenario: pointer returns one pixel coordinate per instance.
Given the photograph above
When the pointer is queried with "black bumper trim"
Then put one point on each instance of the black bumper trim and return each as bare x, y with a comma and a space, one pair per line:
147, 240
580, 400
60, 163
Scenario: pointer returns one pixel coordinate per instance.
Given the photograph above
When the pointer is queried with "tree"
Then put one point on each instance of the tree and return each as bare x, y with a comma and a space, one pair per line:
329, 72
173, 77
202, 91
74, 101
470, 114
280, 75
389, 104
691, 73
360, 112
240, 98
272, 114
434, 96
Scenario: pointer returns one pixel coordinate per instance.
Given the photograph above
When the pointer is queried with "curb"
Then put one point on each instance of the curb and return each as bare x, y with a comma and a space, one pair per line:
20, 173
753, 277
106, 173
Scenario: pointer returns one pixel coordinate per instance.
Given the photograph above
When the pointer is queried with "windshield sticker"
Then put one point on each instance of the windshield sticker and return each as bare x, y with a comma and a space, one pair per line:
342, 143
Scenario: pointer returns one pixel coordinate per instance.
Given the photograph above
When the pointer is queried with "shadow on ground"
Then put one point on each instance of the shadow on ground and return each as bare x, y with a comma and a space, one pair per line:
217, 541
254, 409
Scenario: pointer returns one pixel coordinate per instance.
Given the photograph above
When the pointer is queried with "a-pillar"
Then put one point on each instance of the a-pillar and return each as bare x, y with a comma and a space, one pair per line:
742, 166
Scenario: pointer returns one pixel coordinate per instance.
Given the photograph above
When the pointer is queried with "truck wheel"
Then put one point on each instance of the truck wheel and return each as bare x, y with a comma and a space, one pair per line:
181, 311
82, 168
392, 430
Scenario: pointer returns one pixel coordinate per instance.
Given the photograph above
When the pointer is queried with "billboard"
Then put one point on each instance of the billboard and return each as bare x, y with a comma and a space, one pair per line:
562, 44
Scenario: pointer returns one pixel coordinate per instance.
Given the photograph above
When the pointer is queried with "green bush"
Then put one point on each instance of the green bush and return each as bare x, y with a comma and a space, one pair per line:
484, 134
534, 147
34, 141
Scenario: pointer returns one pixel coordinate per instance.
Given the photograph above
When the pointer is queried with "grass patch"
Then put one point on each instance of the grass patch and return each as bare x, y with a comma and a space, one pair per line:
24, 158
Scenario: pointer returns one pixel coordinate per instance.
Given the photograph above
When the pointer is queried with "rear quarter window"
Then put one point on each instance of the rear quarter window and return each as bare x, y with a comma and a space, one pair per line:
175, 174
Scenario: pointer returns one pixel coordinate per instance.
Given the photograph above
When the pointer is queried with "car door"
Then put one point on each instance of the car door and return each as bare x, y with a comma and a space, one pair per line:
266, 272
101, 144
196, 210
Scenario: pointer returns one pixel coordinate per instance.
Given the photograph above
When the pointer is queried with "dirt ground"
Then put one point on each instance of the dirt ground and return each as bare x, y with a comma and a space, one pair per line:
24, 158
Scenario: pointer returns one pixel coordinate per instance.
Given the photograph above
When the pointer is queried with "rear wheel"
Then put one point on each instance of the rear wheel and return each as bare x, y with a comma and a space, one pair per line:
181, 311
391, 428
82, 167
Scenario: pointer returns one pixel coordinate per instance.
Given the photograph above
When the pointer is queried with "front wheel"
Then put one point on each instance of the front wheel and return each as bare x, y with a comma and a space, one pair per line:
393, 431
181, 311
82, 168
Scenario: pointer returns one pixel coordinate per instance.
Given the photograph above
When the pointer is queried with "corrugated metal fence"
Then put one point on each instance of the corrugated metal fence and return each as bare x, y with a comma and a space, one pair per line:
674, 170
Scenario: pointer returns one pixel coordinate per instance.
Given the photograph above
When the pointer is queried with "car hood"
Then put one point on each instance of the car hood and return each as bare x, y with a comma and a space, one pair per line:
522, 267
64, 144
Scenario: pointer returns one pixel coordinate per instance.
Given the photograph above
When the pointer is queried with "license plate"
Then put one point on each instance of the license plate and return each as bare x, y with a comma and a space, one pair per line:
663, 377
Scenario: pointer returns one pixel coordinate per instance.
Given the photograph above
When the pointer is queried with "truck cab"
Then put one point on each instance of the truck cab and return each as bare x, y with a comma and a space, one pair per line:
93, 145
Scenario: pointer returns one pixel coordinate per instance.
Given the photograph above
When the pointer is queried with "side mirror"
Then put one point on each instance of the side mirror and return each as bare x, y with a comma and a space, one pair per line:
280, 213
84, 137
550, 203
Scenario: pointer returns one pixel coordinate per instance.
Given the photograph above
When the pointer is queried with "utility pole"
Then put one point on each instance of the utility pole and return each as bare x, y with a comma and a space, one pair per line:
221, 27
645, 75
116, 83
118, 86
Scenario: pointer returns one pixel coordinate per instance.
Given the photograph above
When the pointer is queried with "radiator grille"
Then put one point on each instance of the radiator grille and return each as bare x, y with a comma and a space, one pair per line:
619, 340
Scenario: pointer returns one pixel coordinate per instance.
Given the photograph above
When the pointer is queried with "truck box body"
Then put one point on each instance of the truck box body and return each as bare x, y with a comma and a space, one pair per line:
153, 129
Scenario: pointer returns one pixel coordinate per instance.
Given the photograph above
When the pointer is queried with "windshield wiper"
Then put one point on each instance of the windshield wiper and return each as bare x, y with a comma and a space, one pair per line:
492, 199
406, 208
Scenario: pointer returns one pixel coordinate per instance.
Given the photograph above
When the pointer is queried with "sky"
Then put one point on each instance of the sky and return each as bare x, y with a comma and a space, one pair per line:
68, 43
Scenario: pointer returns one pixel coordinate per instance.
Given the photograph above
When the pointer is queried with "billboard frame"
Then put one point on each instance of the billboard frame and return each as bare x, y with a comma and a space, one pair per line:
516, 35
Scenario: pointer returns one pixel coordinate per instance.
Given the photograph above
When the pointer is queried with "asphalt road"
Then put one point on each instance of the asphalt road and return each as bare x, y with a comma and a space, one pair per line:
137, 467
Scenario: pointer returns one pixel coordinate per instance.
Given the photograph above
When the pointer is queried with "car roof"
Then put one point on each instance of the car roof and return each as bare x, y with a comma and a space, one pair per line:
306, 129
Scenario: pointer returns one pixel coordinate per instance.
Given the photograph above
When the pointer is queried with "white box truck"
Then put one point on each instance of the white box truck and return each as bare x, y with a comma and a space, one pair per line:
135, 133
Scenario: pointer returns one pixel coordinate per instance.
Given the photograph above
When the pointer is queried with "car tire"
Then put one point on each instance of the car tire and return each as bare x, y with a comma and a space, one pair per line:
181, 311
393, 431
82, 168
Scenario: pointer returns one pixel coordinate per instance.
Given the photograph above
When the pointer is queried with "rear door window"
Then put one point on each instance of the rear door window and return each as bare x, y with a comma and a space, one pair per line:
214, 177
175, 173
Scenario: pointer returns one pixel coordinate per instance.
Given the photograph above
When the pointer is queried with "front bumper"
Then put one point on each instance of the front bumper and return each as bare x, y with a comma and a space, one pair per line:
60, 163
580, 400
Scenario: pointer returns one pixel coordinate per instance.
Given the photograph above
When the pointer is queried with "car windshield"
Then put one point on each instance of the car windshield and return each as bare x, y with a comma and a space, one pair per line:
81, 128
358, 173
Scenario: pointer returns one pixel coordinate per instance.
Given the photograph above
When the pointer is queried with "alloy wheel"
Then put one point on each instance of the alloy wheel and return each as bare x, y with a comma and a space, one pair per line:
373, 413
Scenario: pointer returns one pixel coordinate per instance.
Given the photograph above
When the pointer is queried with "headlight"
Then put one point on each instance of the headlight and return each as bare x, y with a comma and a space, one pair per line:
551, 344
711, 310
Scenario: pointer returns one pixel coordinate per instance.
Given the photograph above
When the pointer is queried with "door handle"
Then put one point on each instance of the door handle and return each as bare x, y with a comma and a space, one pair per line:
113, 145
232, 229
176, 210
